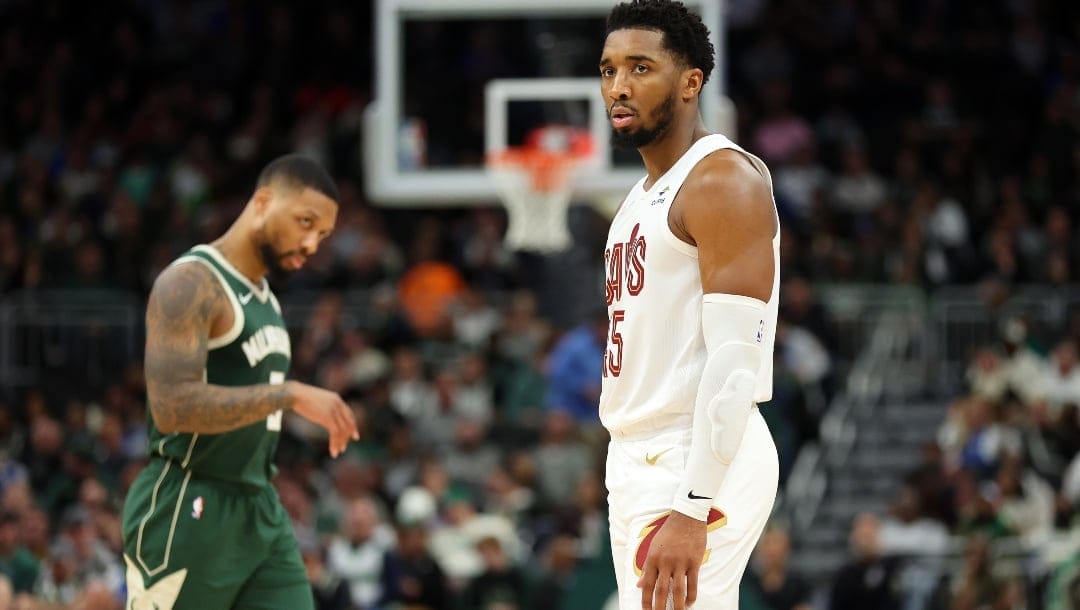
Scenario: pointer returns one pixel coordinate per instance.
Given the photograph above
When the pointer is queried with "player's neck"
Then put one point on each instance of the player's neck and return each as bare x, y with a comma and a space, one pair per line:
659, 156
238, 247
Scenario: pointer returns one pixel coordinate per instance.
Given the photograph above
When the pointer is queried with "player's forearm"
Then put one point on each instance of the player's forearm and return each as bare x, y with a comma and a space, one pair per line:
195, 406
705, 469
724, 401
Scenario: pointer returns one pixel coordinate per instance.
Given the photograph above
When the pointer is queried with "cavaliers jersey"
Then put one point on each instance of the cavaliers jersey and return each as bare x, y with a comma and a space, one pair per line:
255, 350
656, 350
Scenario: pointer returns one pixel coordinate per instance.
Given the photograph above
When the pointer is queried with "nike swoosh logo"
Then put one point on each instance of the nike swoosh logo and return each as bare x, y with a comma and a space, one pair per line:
690, 495
651, 459
244, 298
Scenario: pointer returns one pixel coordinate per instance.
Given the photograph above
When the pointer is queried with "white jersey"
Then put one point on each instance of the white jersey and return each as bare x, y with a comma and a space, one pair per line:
656, 350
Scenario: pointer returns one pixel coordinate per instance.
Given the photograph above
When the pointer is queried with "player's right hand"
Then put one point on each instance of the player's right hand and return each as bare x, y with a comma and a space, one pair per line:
326, 409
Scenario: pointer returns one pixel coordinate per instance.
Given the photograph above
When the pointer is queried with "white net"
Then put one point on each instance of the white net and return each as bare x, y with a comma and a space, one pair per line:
535, 183
535, 208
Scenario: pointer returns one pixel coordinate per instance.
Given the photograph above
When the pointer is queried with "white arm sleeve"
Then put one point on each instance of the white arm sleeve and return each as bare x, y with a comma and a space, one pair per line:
732, 326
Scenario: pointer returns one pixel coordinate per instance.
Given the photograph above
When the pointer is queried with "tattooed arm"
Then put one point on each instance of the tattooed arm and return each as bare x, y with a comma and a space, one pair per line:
184, 303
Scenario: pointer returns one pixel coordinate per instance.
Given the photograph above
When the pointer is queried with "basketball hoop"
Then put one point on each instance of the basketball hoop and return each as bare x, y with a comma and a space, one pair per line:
535, 183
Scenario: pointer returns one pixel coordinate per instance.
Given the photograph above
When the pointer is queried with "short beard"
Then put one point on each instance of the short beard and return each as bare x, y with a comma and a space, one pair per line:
276, 274
641, 137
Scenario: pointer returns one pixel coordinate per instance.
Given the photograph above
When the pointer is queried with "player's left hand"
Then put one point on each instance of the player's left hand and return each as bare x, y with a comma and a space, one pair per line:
672, 563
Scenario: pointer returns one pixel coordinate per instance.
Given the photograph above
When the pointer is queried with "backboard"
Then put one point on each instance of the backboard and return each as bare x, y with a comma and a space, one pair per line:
456, 79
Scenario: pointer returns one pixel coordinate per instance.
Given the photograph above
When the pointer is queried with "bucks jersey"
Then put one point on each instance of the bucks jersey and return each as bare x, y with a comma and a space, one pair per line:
254, 351
656, 350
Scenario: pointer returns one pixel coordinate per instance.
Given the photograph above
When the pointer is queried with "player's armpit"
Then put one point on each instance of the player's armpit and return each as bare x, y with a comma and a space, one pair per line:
179, 315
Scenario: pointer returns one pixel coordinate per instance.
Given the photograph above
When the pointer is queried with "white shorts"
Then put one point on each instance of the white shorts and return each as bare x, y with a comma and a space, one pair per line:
640, 492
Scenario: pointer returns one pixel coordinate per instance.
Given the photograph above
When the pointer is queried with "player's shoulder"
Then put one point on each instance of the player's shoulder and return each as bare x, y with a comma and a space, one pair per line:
185, 283
727, 168
184, 271
730, 177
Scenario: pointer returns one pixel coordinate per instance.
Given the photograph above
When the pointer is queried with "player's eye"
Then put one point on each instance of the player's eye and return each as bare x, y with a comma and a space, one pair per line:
641, 68
607, 72
307, 222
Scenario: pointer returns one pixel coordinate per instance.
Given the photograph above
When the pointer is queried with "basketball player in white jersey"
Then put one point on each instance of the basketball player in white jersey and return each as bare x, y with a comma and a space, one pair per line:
692, 259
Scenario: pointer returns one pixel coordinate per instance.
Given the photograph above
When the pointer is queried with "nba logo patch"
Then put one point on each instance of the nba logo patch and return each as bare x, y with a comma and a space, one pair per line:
197, 508
760, 330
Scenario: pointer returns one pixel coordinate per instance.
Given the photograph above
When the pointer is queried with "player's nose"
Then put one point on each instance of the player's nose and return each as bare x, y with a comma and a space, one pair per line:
310, 244
619, 89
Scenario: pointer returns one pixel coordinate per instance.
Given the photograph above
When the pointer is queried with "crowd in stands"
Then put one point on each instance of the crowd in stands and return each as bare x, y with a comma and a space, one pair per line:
926, 143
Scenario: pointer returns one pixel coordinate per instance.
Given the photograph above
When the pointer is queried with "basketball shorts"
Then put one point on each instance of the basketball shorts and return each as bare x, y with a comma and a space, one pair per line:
196, 543
643, 472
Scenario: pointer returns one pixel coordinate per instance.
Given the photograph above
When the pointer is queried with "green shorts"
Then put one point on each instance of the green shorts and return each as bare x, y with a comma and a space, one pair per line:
197, 543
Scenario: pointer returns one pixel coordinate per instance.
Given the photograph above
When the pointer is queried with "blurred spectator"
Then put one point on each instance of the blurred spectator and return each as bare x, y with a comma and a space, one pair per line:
975, 586
973, 439
428, 291
421, 583
1063, 589
474, 396
769, 584
551, 586
797, 182
451, 543
1062, 377
16, 562
7, 594
868, 580
78, 561
522, 332
350, 479
1023, 365
918, 543
782, 133
330, 590
475, 320
857, 190
410, 391
1023, 500
500, 585
471, 458
455, 543
401, 462
561, 459
908, 531
365, 364
359, 555
574, 368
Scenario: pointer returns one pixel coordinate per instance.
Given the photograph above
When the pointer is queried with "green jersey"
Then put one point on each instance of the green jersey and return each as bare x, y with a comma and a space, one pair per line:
255, 350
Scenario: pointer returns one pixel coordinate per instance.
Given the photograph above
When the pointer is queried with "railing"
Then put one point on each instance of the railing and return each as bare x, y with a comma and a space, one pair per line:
58, 339
931, 334
964, 319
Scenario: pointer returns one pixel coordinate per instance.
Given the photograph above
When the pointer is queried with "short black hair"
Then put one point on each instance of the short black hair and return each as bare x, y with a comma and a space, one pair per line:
298, 170
685, 35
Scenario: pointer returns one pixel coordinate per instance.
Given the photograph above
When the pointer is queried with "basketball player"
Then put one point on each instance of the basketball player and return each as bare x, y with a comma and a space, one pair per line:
203, 526
691, 260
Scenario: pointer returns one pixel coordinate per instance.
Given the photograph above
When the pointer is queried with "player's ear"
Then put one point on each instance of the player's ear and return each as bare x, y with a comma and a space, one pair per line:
262, 198
693, 78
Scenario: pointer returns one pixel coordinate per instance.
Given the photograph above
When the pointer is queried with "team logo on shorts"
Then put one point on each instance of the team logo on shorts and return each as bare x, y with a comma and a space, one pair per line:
760, 331
716, 520
197, 508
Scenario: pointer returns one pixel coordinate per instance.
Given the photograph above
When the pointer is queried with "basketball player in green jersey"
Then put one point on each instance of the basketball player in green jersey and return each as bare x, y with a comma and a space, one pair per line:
203, 526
